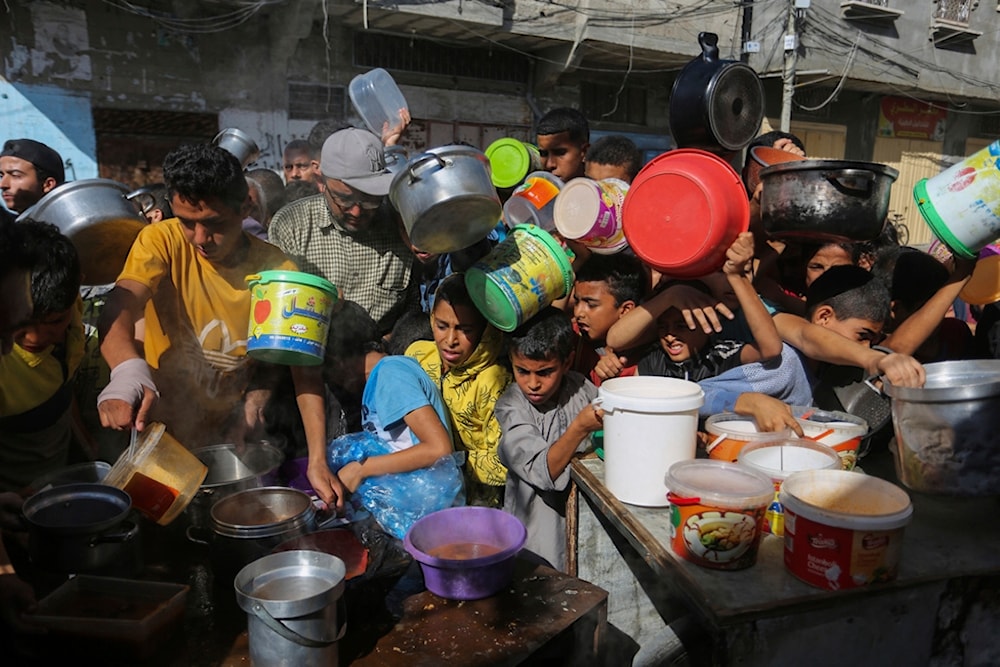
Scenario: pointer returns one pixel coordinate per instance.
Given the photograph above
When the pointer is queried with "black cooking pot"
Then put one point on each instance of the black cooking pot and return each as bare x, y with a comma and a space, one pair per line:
715, 105
826, 200
78, 528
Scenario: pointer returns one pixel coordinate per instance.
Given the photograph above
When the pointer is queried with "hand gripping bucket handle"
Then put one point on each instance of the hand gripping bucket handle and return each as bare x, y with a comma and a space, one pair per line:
273, 624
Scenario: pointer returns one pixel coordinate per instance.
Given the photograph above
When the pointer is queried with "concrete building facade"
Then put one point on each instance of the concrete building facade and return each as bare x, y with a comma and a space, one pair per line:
113, 86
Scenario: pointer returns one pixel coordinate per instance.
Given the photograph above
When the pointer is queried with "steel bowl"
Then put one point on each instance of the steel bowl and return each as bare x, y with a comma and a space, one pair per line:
95, 215
231, 470
946, 430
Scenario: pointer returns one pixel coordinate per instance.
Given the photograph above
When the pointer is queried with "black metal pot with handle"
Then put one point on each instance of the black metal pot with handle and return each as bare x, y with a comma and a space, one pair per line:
715, 105
826, 200
78, 528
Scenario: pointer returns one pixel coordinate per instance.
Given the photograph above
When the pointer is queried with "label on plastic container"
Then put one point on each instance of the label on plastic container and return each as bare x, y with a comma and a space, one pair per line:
722, 539
839, 558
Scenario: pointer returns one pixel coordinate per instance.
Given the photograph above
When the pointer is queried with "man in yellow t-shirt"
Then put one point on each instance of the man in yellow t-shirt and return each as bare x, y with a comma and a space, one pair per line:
187, 276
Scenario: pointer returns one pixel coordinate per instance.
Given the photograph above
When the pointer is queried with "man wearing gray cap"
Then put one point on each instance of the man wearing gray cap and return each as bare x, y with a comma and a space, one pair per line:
28, 170
349, 234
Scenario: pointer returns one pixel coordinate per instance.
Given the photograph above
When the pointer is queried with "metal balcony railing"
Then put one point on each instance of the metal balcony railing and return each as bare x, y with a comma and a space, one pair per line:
955, 11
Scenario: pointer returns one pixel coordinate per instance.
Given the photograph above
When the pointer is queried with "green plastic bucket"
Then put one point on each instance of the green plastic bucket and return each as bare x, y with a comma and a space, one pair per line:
962, 203
522, 275
511, 160
289, 317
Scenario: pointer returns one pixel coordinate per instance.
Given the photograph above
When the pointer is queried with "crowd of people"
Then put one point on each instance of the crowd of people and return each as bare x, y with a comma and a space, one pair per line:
410, 358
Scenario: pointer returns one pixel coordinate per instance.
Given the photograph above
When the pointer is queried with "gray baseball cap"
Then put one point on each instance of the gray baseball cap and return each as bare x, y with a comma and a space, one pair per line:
355, 157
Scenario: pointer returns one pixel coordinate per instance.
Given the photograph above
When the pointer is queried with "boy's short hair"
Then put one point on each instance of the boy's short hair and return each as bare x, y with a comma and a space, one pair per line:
565, 119
353, 332
413, 325
626, 277
301, 146
56, 274
916, 277
547, 335
851, 292
616, 150
199, 172
452, 290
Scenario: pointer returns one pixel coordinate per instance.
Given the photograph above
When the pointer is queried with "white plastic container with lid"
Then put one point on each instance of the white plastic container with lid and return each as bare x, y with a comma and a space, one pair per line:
377, 99
650, 423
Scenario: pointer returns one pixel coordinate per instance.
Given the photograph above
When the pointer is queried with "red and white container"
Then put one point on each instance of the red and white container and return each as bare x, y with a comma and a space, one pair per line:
534, 201
843, 529
591, 212
840, 430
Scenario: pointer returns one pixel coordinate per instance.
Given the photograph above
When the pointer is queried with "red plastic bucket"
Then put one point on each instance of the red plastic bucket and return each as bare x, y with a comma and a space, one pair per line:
683, 211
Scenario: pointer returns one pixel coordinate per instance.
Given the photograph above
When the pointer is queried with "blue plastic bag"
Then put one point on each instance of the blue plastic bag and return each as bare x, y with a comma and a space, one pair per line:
398, 500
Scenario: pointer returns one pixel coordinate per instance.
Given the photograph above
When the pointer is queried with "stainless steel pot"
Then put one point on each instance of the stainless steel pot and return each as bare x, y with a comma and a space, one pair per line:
239, 144
230, 470
78, 527
249, 524
946, 431
826, 200
715, 105
446, 198
95, 215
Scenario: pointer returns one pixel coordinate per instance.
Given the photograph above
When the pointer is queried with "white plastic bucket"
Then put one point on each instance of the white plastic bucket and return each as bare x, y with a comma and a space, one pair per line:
962, 203
650, 423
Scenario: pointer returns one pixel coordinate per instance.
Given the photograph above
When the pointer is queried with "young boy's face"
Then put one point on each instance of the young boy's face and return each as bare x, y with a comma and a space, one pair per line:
827, 257
598, 172
457, 331
677, 340
40, 334
595, 310
561, 155
539, 380
857, 329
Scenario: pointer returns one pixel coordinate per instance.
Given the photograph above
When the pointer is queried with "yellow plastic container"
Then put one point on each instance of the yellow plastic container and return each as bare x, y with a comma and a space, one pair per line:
289, 317
161, 475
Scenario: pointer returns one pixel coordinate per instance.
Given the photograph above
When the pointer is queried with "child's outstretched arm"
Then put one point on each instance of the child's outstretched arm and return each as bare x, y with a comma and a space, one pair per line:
767, 342
638, 325
434, 442
588, 420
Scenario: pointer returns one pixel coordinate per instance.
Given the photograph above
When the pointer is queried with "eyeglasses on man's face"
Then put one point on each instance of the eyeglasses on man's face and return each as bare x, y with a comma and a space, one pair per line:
345, 202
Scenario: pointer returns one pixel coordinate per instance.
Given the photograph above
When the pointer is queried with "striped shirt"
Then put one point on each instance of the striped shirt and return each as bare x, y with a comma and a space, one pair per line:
370, 267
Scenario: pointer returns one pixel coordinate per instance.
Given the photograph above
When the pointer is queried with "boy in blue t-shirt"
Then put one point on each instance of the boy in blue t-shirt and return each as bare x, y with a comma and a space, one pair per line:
399, 402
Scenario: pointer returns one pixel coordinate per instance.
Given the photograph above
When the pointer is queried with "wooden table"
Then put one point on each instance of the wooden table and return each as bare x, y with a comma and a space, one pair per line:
944, 604
544, 617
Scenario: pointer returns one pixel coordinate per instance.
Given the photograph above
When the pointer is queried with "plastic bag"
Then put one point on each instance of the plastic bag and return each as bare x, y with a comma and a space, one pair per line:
398, 500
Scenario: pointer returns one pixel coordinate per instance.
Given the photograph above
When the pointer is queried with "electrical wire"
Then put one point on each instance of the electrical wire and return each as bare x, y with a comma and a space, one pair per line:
199, 25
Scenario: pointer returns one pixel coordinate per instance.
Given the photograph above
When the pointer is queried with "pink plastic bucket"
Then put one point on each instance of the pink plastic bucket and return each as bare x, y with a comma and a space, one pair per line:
591, 212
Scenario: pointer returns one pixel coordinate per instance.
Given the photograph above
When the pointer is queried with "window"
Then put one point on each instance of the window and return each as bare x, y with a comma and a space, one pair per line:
602, 102
314, 101
956, 11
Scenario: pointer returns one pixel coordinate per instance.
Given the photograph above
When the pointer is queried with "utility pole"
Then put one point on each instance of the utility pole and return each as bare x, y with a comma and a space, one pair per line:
791, 56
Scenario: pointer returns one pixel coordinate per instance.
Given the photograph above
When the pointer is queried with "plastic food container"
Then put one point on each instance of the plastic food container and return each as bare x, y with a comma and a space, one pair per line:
650, 423
732, 432
377, 99
780, 458
161, 475
843, 529
289, 317
591, 212
466, 553
840, 430
716, 510
511, 160
534, 201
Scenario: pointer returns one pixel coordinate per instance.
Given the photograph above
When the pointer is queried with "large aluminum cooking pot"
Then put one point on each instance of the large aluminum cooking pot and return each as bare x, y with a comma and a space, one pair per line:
446, 198
826, 200
946, 431
249, 524
98, 219
715, 105
78, 527
231, 469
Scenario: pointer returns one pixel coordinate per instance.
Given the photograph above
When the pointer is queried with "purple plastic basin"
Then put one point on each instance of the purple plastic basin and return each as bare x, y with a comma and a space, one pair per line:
446, 544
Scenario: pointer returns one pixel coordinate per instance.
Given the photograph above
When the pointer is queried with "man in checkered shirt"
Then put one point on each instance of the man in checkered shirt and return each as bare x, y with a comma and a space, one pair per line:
349, 234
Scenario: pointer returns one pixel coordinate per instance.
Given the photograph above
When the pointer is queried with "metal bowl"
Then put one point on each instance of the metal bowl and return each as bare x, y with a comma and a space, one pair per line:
946, 430
95, 215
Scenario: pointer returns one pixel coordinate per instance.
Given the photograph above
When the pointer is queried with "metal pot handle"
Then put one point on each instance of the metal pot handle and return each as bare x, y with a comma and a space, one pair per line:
709, 43
856, 174
127, 534
286, 632
422, 160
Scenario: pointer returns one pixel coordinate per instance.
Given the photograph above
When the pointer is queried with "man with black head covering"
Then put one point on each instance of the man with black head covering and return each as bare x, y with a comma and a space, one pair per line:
28, 170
